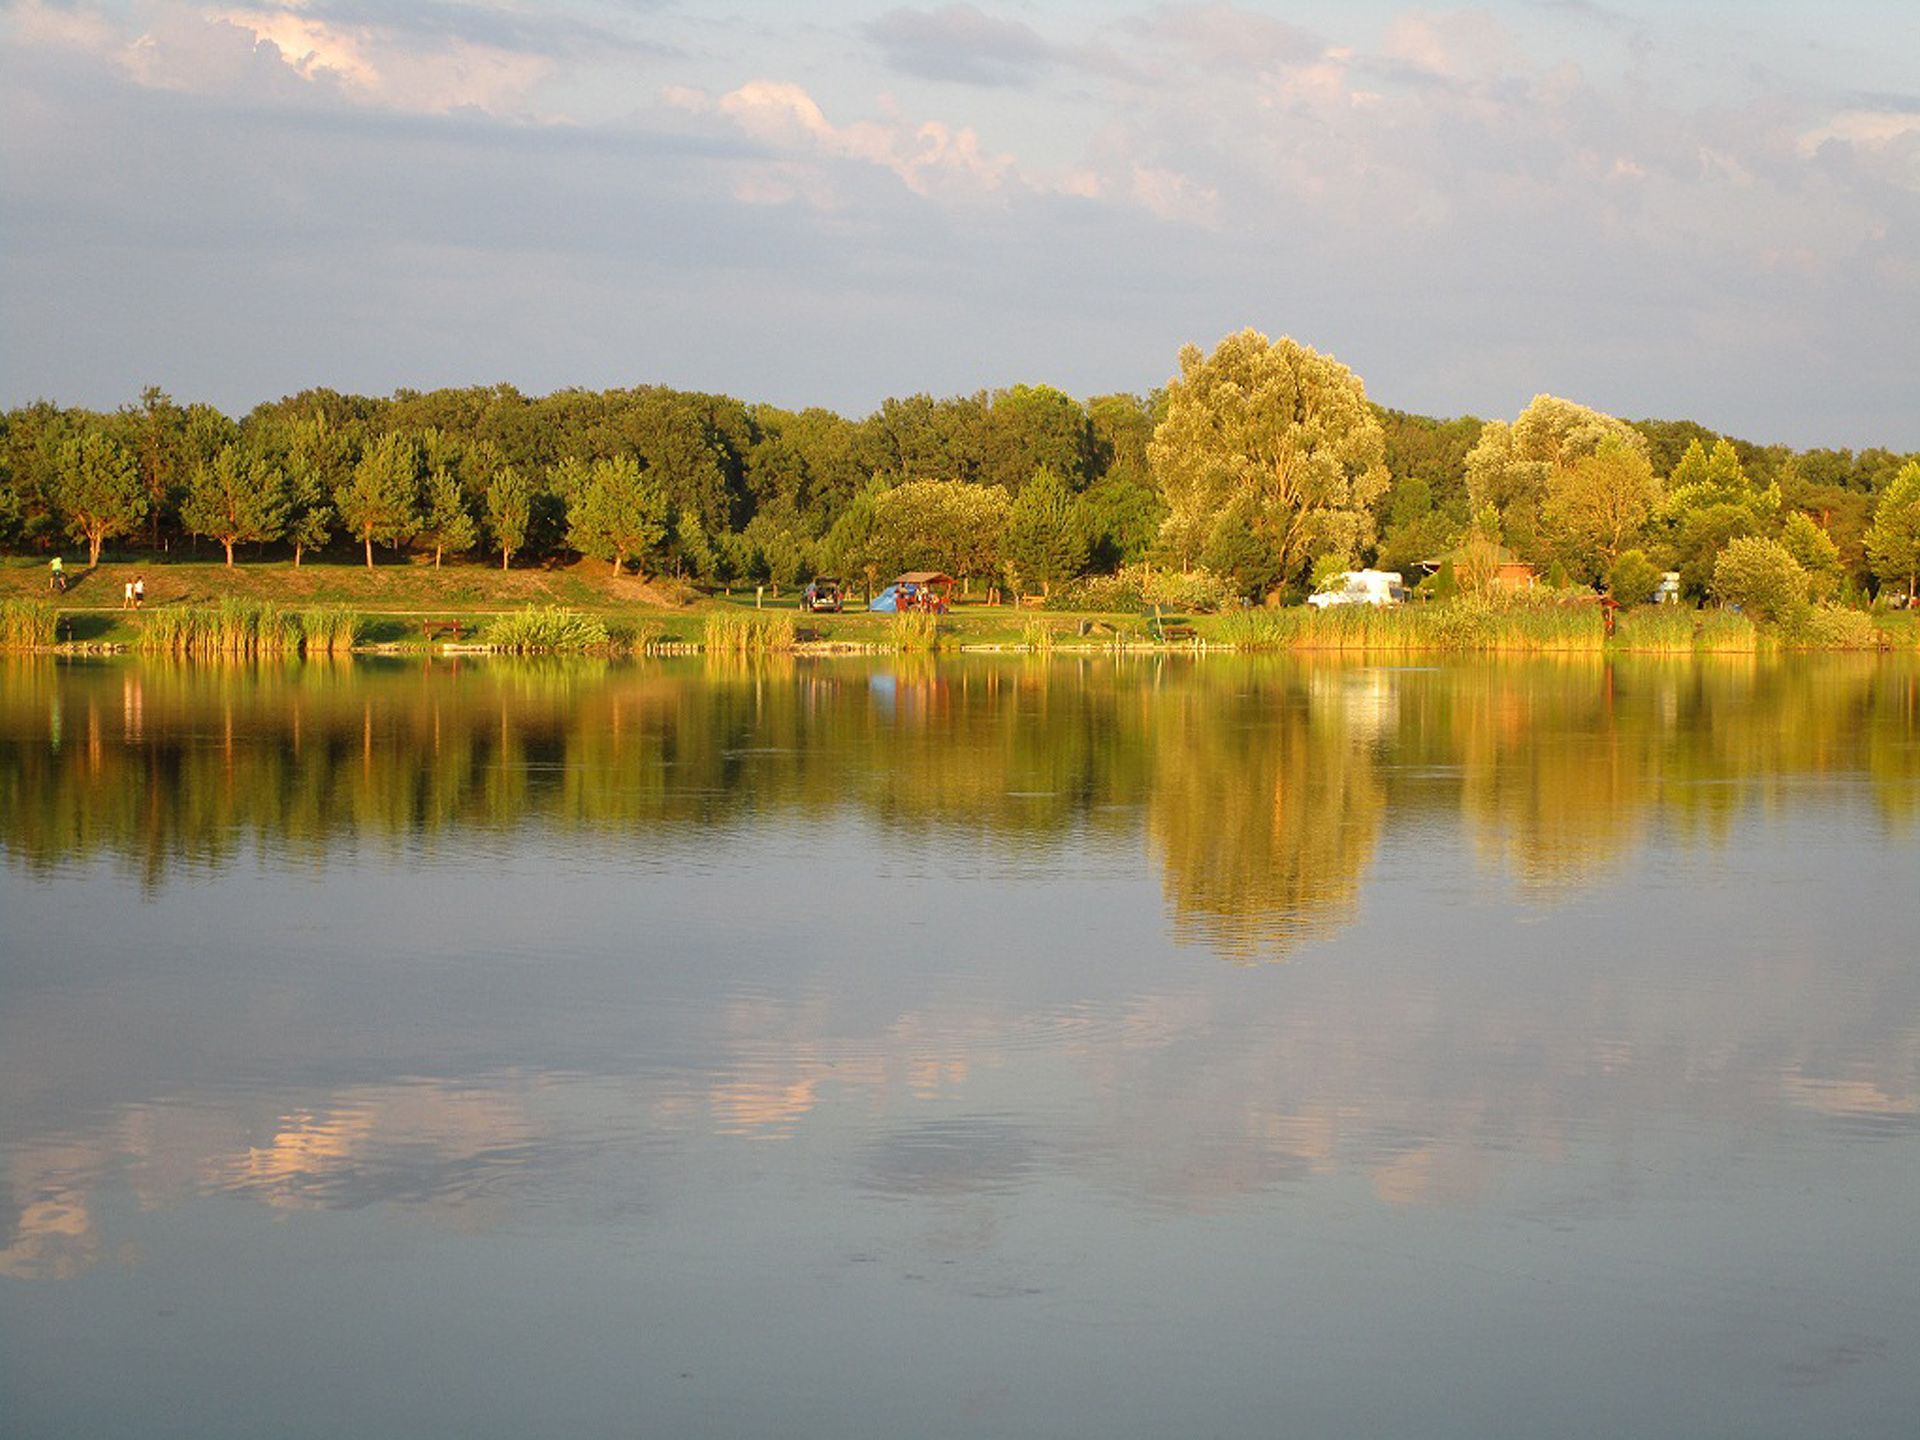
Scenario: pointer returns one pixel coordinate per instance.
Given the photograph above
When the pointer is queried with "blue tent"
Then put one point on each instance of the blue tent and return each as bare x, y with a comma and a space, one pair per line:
887, 602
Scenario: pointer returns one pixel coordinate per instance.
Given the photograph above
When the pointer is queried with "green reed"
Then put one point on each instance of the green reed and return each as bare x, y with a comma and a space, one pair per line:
28, 624
546, 629
747, 633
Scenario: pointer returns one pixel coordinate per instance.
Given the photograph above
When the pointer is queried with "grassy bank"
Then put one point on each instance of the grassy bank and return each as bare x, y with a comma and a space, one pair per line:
203, 608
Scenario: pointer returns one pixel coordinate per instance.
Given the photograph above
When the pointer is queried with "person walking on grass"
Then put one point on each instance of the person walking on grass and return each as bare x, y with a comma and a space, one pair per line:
58, 580
139, 591
126, 601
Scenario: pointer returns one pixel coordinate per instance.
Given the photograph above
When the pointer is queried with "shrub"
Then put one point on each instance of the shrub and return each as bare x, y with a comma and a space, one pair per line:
1828, 627
1633, 578
544, 628
1761, 577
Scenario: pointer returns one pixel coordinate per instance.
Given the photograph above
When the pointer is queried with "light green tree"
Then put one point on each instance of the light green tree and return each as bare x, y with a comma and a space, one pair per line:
1761, 577
1272, 438
377, 499
1598, 503
448, 524
99, 490
509, 512
1814, 551
1514, 467
1893, 543
619, 513
946, 525
316, 465
236, 498
1046, 541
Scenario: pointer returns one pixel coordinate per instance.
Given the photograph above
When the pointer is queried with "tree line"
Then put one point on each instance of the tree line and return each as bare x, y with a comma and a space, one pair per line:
1262, 465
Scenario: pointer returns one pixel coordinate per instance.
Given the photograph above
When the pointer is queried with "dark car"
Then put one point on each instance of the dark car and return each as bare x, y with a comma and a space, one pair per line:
822, 593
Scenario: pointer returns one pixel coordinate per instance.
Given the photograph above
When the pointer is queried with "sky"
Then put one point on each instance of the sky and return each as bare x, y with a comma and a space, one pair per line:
1701, 210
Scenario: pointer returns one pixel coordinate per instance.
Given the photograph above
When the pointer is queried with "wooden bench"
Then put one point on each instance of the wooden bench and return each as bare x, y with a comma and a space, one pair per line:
431, 628
1031, 602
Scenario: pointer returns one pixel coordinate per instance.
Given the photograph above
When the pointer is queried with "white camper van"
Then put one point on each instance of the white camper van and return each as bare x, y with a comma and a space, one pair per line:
1361, 587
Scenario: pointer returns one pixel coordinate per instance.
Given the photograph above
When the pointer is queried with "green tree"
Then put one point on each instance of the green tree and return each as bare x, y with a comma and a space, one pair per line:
1813, 549
1761, 577
509, 512
158, 424
1274, 437
1046, 543
316, 465
620, 512
1598, 503
99, 490
1893, 544
448, 523
377, 499
1514, 467
236, 498
945, 525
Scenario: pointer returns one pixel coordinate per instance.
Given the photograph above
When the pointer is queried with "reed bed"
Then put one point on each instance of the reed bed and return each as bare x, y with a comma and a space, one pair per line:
1465, 625
245, 628
749, 633
1673, 630
915, 632
546, 630
28, 624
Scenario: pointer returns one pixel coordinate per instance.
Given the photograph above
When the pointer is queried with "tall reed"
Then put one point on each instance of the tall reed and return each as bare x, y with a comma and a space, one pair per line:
543, 629
747, 633
915, 631
28, 624
244, 628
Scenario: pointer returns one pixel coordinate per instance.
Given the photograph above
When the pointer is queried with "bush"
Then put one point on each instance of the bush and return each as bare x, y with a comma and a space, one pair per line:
1762, 578
543, 628
1633, 578
1828, 627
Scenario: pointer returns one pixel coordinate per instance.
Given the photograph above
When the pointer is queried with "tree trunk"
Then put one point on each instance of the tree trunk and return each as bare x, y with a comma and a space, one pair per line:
505, 554
616, 563
94, 541
368, 537
229, 544
436, 557
297, 548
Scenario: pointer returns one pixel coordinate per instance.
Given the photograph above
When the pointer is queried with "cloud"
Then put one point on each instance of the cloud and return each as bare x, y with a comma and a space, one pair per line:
961, 43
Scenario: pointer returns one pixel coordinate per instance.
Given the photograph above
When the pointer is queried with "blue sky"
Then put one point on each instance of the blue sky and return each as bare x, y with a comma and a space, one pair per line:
1708, 210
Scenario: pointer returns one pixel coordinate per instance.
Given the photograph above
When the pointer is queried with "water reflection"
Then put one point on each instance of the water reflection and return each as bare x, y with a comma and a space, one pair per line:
1262, 788
919, 966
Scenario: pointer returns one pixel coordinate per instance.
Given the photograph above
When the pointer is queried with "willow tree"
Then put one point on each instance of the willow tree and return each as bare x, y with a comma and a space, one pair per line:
1272, 439
1515, 468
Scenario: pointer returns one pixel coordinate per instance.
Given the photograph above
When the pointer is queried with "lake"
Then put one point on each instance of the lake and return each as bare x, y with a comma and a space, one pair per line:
968, 1046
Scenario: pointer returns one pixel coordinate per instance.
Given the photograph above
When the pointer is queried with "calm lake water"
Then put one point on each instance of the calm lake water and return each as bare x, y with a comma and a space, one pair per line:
971, 1048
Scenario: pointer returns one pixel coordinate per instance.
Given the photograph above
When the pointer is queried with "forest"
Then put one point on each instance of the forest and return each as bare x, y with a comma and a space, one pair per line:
1255, 472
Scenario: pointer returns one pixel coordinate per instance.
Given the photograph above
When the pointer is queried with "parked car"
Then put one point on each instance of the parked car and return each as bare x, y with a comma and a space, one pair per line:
823, 592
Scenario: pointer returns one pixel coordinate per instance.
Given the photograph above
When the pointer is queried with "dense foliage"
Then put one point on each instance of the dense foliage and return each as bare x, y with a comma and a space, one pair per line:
1260, 466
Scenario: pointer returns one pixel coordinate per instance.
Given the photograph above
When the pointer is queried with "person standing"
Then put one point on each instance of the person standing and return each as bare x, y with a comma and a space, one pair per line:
126, 600
139, 591
58, 581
